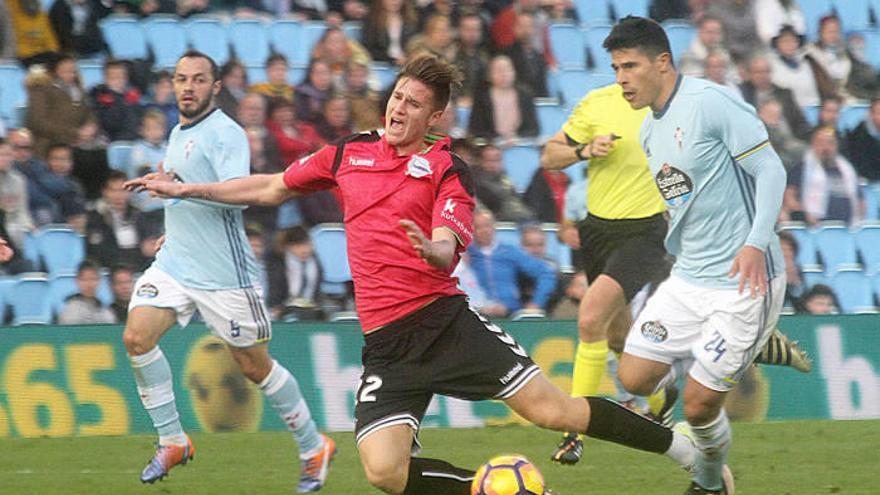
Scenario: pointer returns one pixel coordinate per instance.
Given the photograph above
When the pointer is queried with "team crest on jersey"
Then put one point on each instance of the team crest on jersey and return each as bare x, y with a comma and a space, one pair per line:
418, 167
654, 332
675, 186
147, 291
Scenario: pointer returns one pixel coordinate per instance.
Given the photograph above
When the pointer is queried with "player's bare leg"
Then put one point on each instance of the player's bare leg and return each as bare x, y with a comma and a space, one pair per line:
152, 373
386, 458
282, 391
704, 410
598, 311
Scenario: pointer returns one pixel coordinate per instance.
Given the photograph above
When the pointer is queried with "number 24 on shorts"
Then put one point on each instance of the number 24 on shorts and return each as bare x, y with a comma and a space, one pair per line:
716, 345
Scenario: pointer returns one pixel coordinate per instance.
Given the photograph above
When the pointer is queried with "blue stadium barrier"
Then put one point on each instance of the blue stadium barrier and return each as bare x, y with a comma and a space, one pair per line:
249, 40
564, 40
520, 162
599, 60
285, 37
853, 13
311, 33
814, 275
124, 36
854, 291
836, 246
60, 288
12, 92
871, 193
209, 36
119, 155
6, 284
167, 40
331, 251
28, 300
867, 241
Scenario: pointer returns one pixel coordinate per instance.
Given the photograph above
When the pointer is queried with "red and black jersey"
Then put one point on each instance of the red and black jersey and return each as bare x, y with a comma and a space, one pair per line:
433, 188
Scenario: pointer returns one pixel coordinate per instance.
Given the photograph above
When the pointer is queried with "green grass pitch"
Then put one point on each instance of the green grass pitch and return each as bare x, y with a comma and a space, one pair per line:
796, 458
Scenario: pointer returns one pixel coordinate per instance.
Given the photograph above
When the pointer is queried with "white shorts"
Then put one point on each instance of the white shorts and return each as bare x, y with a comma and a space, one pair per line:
238, 316
720, 330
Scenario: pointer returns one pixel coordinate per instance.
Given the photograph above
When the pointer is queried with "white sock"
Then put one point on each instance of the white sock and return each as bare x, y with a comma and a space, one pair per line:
713, 442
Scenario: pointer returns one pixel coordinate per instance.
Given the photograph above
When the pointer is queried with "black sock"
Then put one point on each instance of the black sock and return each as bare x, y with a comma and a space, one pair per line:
614, 423
436, 477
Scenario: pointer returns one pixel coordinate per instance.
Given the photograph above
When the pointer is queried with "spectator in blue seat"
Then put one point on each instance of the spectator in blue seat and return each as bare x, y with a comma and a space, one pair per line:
235, 86
84, 308
389, 26
471, 56
528, 62
161, 97
70, 194
117, 103
313, 92
495, 190
277, 85
821, 300
122, 285
825, 185
116, 232
17, 219
497, 267
795, 286
295, 276
502, 108
149, 150
863, 144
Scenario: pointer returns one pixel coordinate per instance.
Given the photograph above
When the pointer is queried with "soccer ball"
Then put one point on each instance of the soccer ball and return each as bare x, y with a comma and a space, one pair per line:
508, 475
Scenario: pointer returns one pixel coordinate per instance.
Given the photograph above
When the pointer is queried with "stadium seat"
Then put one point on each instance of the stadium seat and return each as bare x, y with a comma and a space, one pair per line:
119, 155
353, 30
311, 33
91, 73
563, 40
255, 73
871, 193
520, 162
814, 274
680, 34
384, 73
6, 284
463, 116
836, 247
285, 35
575, 84
331, 250
250, 41
598, 59
806, 245
167, 40
854, 291
811, 113
29, 300
551, 117
105, 291
209, 36
555, 249
60, 288
592, 11
12, 91
61, 250
124, 36
297, 74
868, 244
853, 14
507, 233
872, 42
623, 8
851, 116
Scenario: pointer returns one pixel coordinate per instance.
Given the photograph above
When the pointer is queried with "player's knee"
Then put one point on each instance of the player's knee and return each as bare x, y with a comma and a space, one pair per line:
387, 476
591, 327
634, 382
699, 412
135, 342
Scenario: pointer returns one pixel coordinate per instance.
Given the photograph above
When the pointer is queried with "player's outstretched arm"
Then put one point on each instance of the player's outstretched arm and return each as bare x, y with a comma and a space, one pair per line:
260, 189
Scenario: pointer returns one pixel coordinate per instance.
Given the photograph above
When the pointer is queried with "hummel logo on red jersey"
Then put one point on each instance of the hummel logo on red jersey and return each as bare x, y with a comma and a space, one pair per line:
450, 206
360, 162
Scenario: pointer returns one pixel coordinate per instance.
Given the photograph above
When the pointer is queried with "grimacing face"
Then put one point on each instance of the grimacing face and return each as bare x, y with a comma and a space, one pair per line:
409, 115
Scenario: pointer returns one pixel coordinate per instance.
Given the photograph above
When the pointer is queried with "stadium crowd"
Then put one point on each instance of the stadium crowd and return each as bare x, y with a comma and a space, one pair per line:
55, 168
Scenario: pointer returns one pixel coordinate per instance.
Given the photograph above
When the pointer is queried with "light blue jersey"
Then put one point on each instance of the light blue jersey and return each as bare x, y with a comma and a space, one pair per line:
708, 150
205, 244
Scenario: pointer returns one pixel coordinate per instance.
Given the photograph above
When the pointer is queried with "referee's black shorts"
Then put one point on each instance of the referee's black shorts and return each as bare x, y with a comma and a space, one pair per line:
630, 251
444, 348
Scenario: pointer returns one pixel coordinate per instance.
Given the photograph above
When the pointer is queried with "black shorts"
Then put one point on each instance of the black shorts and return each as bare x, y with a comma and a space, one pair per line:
444, 348
630, 251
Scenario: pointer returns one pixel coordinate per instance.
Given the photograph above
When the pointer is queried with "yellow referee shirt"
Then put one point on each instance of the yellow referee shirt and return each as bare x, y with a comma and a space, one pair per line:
619, 185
